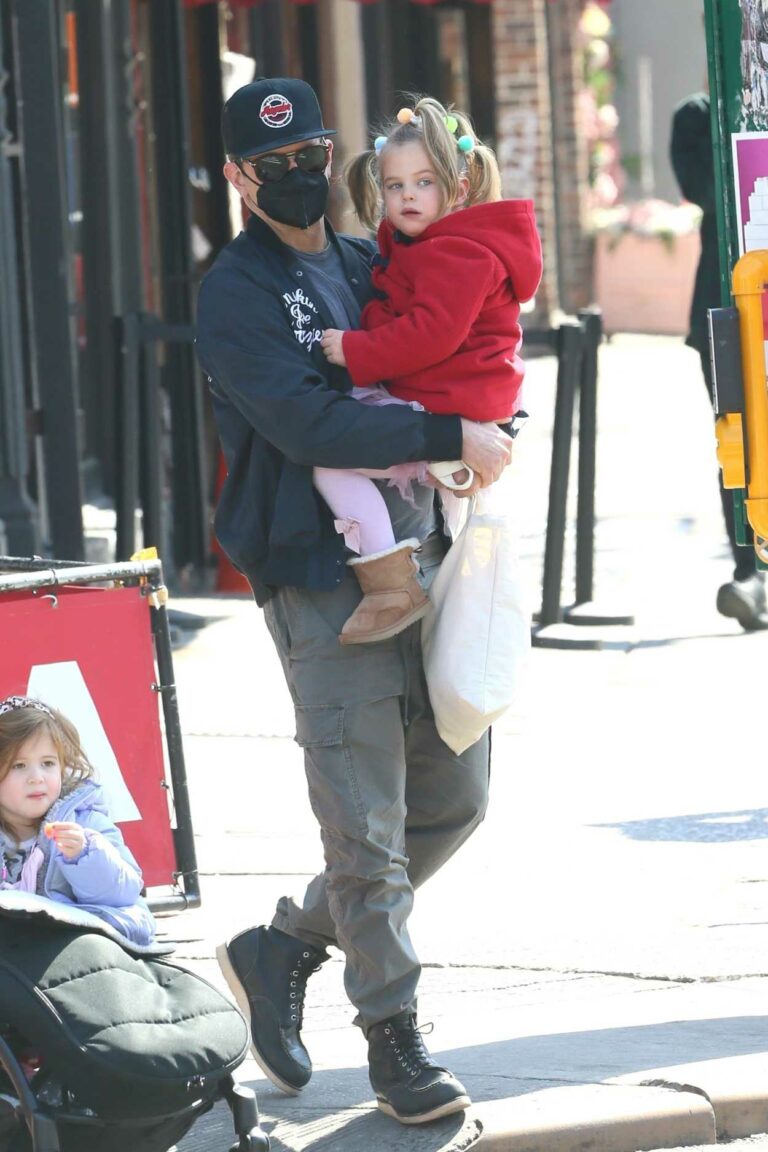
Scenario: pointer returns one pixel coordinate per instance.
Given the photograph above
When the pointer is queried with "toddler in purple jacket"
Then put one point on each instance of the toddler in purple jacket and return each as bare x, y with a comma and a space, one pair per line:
56, 837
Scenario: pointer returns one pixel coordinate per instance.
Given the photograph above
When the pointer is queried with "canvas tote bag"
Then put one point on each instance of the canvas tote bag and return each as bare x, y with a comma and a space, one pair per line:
477, 637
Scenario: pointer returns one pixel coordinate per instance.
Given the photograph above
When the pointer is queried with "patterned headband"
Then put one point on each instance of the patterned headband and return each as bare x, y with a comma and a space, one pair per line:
12, 703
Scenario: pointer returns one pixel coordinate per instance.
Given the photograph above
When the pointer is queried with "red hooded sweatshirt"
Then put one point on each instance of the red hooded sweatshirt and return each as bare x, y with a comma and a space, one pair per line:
447, 333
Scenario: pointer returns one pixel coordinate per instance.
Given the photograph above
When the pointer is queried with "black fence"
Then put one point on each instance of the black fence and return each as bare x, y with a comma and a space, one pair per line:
575, 343
174, 506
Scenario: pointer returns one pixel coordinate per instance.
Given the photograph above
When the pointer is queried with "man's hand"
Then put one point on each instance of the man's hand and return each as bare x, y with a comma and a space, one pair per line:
331, 345
487, 450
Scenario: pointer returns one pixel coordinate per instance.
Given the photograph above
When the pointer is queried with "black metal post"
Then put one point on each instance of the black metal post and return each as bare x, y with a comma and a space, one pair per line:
592, 323
568, 368
155, 530
17, 512
183, 833
123, 112
95, 120
48, 253
181, 376
583, 610
127, 341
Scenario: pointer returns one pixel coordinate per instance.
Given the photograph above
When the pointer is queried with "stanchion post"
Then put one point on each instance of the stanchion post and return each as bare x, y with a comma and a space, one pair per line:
592, 325
569, 353
584, 611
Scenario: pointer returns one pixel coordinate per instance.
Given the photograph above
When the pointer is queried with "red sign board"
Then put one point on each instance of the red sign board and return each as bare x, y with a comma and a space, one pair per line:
89, 652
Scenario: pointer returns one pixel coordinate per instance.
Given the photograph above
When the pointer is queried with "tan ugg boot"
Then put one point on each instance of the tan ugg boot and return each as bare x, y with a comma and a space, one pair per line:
393, 597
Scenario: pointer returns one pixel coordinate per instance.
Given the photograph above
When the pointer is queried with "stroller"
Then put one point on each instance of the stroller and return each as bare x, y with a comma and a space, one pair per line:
109, 1048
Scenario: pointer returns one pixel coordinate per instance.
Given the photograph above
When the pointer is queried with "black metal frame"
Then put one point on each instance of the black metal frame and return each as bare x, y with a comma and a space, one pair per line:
31, 573
576, 343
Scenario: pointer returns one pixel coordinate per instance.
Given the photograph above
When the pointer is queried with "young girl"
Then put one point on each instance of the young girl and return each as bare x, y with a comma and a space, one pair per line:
56, 838
455, 261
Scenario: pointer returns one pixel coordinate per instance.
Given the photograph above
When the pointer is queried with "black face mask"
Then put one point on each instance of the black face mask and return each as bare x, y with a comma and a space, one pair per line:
298, 200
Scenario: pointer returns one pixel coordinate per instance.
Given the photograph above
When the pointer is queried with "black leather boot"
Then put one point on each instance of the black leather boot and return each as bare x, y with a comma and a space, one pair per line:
745, 601
407, 1082
267, 971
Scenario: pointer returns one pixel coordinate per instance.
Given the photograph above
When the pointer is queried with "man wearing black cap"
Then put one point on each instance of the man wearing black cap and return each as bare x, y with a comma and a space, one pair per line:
393, 802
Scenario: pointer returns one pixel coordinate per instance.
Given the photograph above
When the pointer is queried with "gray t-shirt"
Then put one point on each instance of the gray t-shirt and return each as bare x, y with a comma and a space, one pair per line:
325, 272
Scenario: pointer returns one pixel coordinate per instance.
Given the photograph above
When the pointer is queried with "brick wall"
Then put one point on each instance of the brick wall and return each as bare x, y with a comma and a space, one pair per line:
570, 157
523, 124
541, 151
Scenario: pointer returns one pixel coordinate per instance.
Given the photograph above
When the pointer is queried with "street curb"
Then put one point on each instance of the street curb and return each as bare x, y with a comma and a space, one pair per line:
597, 1118
736, 1087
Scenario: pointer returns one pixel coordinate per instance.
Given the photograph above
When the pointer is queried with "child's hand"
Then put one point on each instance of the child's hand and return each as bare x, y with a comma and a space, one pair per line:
331, 344
68, 837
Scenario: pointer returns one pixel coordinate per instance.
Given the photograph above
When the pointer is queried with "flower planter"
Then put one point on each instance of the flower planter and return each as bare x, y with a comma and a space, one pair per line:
644, 283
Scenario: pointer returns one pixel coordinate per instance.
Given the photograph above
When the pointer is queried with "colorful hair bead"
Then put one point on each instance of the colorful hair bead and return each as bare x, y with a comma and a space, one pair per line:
451, 123
405, 115
465, 143
379, 143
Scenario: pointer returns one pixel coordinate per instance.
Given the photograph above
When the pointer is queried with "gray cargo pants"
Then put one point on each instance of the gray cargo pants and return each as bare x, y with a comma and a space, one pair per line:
393, 802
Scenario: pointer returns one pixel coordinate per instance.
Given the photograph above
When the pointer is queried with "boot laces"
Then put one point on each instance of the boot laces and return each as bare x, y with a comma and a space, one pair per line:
305, 966
408, 1047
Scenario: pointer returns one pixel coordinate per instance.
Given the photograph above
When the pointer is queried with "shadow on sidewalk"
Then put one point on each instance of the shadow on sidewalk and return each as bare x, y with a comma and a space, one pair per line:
336, 1111
703, 827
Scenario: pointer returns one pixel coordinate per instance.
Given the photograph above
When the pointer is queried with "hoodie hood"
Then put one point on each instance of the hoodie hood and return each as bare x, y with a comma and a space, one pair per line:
88, 795
506, 227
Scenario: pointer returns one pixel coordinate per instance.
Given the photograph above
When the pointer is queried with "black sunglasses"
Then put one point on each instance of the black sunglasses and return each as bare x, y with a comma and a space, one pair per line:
273, 166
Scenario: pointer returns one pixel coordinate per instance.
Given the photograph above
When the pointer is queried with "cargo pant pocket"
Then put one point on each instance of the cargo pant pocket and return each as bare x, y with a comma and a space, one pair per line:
334, 789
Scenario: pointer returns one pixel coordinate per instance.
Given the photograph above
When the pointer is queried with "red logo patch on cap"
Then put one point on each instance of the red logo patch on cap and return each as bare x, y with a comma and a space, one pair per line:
276, 111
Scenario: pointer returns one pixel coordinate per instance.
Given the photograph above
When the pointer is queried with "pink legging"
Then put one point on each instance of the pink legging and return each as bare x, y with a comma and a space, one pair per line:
358, 506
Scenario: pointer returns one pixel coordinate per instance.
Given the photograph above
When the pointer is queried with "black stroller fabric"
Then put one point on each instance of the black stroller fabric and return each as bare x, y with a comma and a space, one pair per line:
131, 1050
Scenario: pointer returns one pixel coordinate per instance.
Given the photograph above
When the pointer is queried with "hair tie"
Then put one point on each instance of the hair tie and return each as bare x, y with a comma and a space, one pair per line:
12, 703
379, 143
466, 144
405, 116
451, 123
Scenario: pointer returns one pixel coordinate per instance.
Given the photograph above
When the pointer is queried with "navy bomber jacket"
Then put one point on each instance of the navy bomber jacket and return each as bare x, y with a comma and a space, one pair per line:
281, 409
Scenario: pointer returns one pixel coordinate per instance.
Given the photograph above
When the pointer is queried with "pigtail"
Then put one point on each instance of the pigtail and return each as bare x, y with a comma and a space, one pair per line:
482, 168
484, 176
362, 181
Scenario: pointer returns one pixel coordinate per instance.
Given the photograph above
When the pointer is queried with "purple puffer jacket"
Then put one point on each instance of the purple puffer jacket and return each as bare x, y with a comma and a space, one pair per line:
105, 878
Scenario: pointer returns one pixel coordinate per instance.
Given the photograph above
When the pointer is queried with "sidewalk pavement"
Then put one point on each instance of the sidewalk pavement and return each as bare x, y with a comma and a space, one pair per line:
595, 959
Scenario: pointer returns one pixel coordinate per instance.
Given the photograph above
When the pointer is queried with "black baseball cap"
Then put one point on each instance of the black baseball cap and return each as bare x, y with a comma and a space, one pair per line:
269, 113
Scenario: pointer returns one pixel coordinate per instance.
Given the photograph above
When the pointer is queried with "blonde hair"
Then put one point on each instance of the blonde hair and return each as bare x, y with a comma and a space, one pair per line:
427, 126
24, 723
